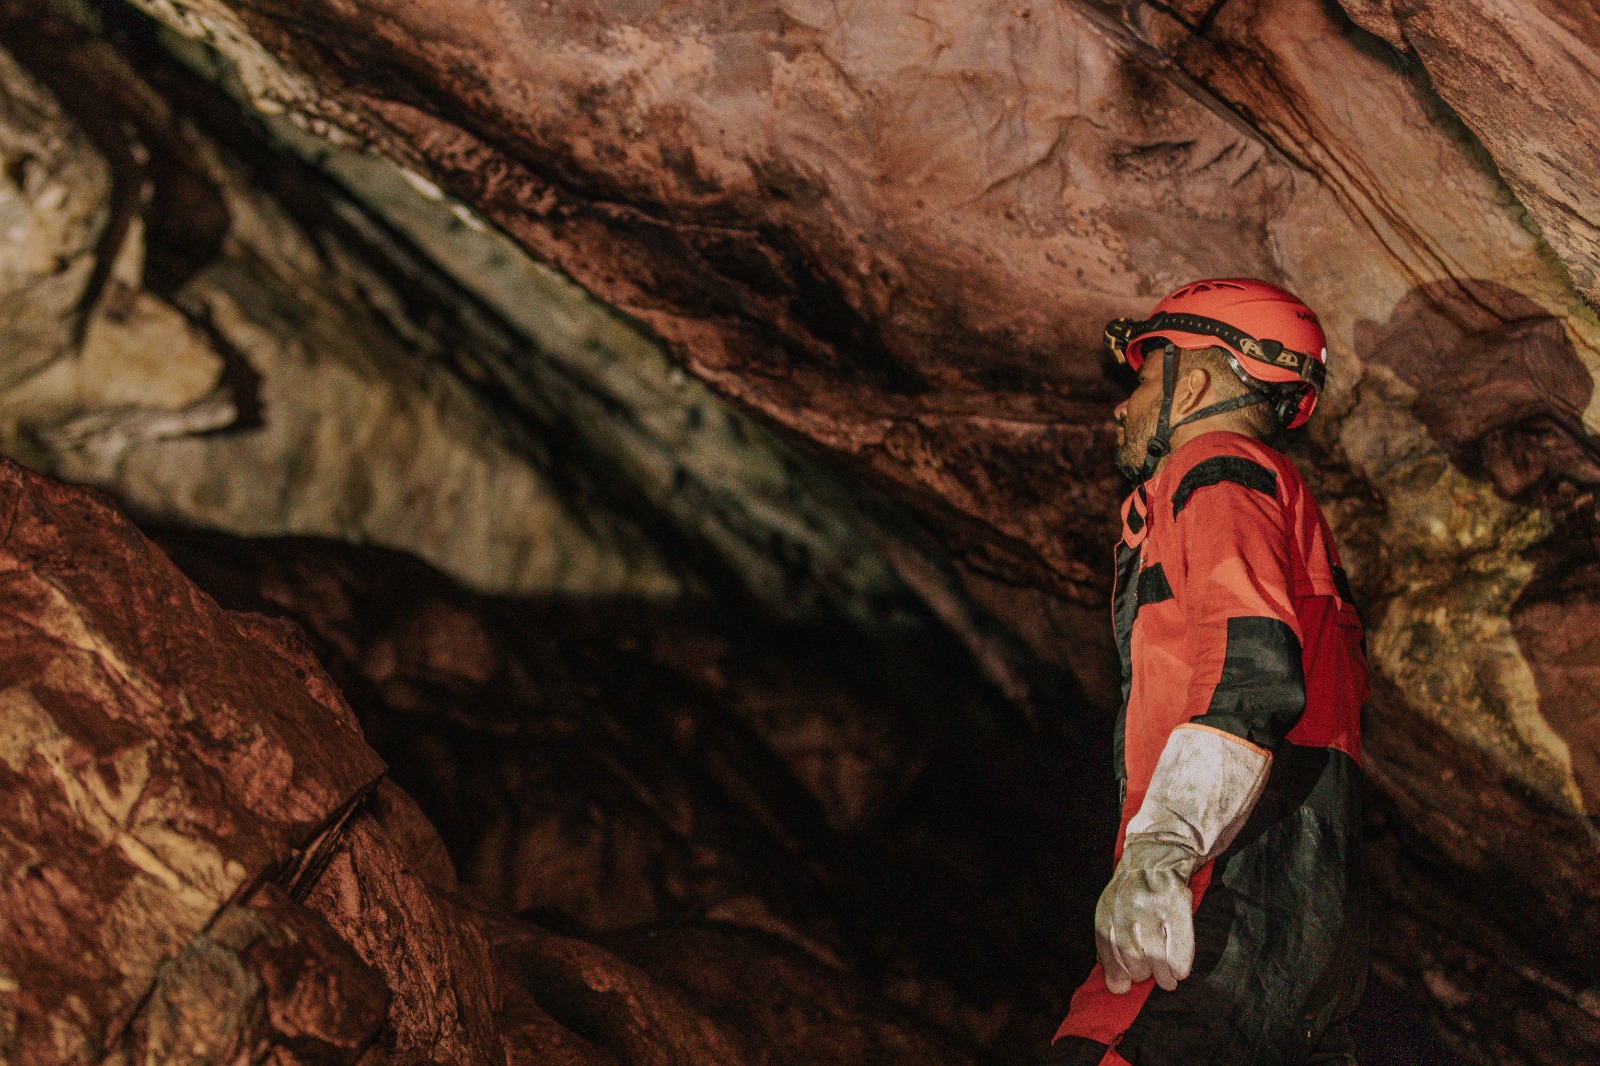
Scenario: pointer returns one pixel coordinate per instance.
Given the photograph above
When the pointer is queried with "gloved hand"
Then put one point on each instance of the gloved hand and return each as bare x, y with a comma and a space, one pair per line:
1204, 786
1144, 924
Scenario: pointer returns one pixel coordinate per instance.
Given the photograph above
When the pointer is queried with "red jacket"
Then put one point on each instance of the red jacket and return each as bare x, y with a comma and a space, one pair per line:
1232, 613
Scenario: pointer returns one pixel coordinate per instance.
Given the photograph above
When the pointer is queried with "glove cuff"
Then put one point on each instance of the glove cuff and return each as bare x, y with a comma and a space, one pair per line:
1204, 787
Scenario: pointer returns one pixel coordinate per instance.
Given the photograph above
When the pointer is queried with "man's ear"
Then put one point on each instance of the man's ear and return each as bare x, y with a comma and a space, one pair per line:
1191, 391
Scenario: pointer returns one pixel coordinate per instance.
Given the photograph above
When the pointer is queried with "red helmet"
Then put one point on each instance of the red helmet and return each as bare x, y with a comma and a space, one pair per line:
1273, 339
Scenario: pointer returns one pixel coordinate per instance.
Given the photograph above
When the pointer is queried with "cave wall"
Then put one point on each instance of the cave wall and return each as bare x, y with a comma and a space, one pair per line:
1522, 77
217, 362
660, 794
201, 861
892, 232
239, 341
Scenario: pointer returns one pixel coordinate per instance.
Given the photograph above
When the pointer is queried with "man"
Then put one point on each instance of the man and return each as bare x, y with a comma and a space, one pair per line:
1233, 929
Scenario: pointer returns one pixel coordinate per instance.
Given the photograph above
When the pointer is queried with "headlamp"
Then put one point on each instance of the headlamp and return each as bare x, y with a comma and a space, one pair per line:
1119, 331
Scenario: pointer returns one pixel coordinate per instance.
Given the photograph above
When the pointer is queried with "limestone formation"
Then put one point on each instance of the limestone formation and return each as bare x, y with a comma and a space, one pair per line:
54, 211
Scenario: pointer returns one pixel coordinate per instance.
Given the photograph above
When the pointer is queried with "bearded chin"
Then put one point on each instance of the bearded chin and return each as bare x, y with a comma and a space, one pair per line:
1134, 447
1130, 464
1131, 453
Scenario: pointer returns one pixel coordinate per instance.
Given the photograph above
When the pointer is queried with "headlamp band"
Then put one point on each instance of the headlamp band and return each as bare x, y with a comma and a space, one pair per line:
1307, 368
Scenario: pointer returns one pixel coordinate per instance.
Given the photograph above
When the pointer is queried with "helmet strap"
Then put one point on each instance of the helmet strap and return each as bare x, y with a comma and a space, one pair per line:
1160, 443
1247, 399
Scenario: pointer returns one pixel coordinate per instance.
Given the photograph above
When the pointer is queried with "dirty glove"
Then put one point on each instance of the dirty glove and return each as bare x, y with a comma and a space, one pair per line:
1143, 924
1203, 789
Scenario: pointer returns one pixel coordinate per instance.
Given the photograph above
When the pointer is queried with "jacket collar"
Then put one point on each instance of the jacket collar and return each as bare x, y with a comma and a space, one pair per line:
1136, 517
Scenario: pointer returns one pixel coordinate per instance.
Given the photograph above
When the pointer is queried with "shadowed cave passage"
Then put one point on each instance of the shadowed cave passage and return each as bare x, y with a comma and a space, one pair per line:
737, 645
601, 767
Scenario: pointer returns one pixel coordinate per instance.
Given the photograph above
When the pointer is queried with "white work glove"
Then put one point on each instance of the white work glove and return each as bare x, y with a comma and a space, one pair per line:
1203, 789
1144, 925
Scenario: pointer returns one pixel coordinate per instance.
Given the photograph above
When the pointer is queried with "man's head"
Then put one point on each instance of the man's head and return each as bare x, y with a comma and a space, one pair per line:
1252, 360
1204, 377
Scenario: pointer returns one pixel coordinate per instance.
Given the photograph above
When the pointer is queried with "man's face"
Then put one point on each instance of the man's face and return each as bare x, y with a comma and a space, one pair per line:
1136, 417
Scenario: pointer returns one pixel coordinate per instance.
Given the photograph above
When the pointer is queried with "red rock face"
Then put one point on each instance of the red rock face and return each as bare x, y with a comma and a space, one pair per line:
199, 867
1523, 78
1555, 623
898, 237
1498, 383
267, 976
155, 772
430, 951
